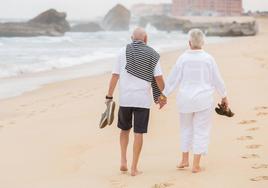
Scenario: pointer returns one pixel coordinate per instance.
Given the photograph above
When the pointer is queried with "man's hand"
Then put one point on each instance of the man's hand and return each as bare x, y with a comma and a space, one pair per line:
162, 100
108, 99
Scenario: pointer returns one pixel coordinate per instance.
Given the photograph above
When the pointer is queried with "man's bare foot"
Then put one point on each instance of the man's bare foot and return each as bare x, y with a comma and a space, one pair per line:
196, 169
135, 172
183, 165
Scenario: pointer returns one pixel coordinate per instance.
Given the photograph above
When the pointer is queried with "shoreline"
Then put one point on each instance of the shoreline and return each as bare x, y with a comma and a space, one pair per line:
41, 79
32, 81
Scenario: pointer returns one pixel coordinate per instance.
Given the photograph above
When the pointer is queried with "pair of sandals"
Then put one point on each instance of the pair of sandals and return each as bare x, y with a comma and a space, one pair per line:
107, 117
224, 111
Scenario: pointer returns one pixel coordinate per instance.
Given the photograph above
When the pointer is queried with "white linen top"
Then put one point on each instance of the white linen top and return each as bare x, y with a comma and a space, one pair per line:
133, 91
197, 75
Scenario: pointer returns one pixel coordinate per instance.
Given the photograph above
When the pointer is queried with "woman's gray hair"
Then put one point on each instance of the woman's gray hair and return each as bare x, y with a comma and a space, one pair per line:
197, 38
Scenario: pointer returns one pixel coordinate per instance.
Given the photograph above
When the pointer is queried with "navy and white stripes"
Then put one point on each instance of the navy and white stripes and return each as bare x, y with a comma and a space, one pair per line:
141, 62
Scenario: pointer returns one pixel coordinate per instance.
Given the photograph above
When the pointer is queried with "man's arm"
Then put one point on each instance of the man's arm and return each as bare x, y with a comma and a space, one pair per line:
160, 82
161, 85
112, 85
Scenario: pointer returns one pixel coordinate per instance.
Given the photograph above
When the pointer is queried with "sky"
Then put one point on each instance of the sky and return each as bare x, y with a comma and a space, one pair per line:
85, 9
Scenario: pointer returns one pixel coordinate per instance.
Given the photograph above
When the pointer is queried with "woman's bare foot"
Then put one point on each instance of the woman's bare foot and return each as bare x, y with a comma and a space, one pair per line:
196, 169
196, 163
135, 172
123, 167
184, 161
183, 165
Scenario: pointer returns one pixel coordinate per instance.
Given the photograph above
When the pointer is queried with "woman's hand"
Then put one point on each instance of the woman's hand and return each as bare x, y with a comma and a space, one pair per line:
224, 102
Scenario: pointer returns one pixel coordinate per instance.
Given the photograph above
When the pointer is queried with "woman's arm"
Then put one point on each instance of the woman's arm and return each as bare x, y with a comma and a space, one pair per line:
218, 83
173, 79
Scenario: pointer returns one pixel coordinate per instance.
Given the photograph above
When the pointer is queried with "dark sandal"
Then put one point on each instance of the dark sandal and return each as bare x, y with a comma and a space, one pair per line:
221, 110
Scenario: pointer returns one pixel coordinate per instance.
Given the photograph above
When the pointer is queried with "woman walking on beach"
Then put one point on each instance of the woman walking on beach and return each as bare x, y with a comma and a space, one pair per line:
197, 76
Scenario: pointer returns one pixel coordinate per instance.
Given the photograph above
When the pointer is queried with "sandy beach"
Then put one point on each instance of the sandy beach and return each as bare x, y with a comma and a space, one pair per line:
49, 138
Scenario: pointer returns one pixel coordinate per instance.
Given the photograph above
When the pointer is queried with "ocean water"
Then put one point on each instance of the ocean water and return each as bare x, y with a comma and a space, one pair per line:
19, 56
24, 61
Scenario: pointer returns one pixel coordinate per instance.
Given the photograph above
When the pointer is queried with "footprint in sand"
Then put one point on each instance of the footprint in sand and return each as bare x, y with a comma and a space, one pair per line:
67, 93
76, 150
250, 156
11, 122
254, 146
262, 114
261, 108
245, 138
259, 166
80, 94
32, 113
162, 185
246, 122
117, 184
259, 178
43, 110
263, 65
253, 129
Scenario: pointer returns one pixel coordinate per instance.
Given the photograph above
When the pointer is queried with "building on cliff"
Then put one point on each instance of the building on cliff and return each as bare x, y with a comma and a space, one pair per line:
207, 7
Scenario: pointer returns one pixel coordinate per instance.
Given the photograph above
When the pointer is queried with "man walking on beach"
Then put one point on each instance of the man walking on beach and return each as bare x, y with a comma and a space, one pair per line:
138, 69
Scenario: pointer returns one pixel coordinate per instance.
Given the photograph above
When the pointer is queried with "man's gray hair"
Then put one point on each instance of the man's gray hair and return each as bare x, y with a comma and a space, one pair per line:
197, 38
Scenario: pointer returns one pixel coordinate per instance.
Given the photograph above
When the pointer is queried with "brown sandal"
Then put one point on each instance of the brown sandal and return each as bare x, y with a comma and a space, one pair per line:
221, 110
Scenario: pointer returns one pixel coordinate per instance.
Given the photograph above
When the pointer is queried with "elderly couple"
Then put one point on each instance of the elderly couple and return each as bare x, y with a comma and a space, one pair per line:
196, 75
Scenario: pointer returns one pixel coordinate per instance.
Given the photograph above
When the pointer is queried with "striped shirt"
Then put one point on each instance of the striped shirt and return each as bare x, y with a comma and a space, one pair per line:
133, 91
141, 62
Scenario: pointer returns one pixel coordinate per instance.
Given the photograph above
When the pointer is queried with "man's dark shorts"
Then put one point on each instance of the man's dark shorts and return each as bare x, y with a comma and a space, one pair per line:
140, 115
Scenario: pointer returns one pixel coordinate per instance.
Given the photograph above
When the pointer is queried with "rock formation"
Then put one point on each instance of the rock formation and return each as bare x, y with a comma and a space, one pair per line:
117, 19
48, 23
164, 23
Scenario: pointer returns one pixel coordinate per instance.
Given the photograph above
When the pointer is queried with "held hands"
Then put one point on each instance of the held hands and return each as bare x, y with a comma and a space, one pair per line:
162, 101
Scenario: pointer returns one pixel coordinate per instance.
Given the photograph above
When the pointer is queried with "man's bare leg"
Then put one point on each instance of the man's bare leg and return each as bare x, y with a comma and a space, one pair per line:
196, 164
124, 139
185, 160
138, 141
